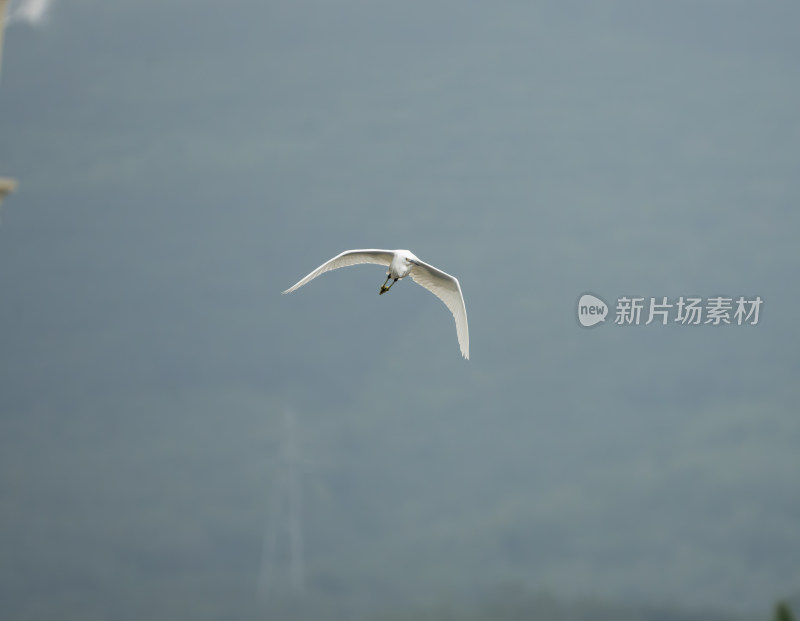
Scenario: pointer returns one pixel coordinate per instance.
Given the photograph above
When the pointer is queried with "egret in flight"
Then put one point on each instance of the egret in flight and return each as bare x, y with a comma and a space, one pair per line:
402, 263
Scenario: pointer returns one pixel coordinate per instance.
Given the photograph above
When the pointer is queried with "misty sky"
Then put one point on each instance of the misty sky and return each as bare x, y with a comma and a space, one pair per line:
181, 163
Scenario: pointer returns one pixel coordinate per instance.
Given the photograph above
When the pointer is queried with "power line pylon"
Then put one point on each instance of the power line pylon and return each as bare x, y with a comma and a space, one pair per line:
286, 514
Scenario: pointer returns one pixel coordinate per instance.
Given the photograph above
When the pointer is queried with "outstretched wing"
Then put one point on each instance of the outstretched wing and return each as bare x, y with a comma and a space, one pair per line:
446, 288
348, 257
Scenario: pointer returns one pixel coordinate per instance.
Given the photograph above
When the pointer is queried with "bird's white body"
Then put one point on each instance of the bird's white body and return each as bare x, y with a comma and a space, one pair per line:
402, 263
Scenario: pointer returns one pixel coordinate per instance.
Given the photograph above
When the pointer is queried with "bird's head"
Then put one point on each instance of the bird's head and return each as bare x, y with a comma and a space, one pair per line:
409, 259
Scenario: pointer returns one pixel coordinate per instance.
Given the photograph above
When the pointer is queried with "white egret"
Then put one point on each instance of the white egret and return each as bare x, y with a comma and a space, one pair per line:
404, 263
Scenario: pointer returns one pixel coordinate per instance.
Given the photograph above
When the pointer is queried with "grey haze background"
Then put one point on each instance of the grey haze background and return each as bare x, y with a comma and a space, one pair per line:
181, 163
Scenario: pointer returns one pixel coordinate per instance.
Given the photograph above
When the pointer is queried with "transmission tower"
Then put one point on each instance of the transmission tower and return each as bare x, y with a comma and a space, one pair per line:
286, 517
